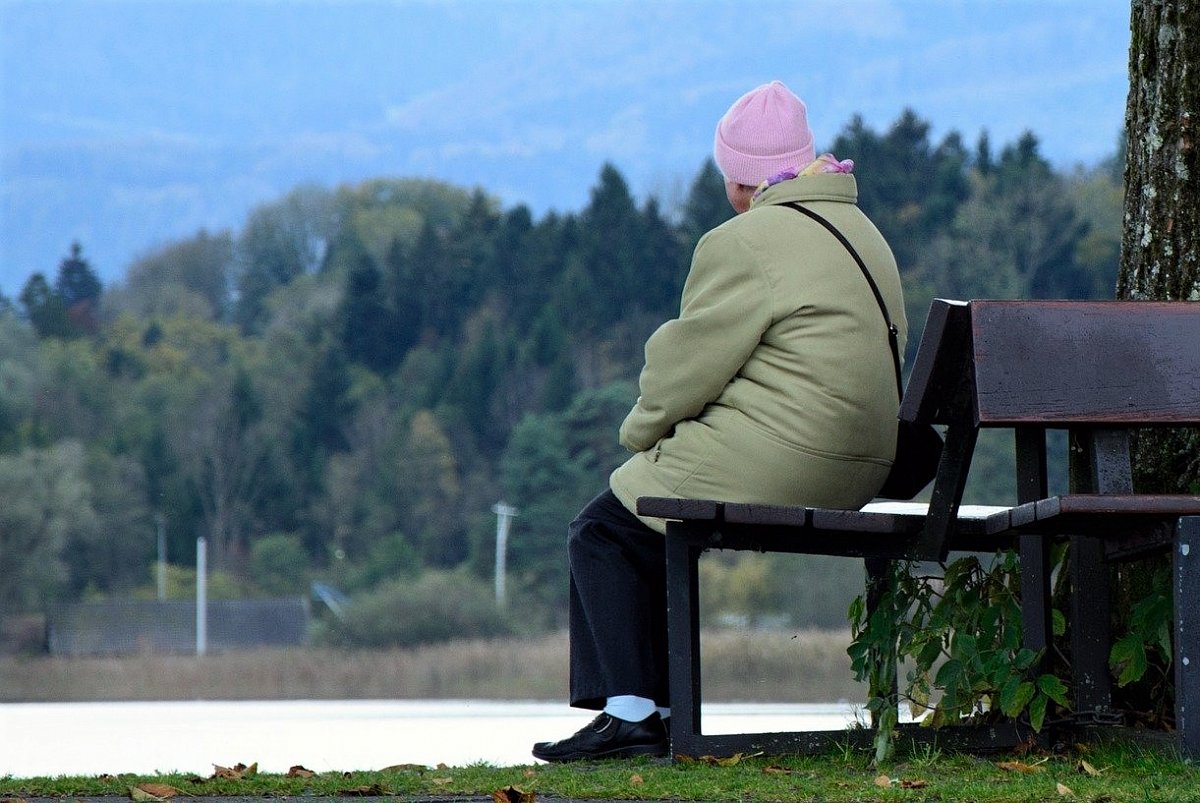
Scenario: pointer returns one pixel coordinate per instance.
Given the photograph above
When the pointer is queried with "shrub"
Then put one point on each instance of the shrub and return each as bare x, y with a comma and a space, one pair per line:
437, 606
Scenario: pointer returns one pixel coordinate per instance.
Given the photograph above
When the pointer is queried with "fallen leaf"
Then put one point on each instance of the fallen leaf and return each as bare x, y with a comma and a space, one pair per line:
883, 781
152, 791
405, 768
728, 761
236, 772
1087, 768
1064, 790
684, 758
1019, 766
300, 772
636, 780
773, 770
441, 781
916, 783
512, 794
441, 766
530, 773
372, 790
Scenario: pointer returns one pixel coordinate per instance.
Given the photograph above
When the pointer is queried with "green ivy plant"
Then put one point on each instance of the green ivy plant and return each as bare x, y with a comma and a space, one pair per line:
1148, 636
958, 632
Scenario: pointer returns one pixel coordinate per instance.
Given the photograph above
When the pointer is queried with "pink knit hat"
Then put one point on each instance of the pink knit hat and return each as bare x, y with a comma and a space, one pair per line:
764, 132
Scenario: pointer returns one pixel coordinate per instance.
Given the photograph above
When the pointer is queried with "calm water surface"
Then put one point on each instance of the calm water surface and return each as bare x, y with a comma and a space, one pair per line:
49, 739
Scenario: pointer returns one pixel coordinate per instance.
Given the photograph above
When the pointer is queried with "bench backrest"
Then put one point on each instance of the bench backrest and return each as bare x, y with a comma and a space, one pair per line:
1088, 366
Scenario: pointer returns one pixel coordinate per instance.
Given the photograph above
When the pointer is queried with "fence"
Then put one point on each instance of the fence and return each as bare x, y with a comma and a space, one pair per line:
130, 626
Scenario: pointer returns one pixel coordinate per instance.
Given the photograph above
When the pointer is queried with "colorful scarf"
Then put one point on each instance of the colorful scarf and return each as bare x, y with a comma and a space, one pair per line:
825, 163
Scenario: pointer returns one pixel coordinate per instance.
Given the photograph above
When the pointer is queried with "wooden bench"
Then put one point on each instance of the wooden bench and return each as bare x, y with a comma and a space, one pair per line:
1095, 369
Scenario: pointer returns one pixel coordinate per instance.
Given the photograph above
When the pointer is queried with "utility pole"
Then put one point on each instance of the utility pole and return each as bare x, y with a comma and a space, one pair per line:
201, 595
162, 556
504, 516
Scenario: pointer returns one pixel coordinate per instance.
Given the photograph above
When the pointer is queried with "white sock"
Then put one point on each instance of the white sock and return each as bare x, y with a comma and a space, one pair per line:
629, 708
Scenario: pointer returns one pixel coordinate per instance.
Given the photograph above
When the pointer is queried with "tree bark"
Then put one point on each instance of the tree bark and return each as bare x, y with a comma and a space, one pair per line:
1160, 248
1160, 260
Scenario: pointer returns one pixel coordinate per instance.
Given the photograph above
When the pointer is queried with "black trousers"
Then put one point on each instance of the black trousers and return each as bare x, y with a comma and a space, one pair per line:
618, 613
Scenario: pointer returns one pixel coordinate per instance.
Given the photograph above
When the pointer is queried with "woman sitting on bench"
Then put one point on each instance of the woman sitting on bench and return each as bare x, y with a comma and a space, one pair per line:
774, 385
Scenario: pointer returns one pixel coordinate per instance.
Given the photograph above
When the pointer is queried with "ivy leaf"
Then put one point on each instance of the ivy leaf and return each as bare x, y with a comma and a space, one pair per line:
949, 673
1058, 622
1053, 688
1025, 659
858, 609
1013, 700
1037, 712
1127, 659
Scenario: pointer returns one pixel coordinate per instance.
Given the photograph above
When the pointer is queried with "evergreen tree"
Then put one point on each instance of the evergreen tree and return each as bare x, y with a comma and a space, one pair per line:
77, 283
69, 308
44, 308
706, 206
368, 326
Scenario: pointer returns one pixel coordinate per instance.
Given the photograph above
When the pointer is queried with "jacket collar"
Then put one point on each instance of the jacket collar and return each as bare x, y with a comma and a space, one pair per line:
837, 187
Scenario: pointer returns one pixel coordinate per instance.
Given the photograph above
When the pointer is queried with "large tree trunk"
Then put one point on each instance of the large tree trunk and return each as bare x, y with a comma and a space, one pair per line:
1160, 260
1160, 248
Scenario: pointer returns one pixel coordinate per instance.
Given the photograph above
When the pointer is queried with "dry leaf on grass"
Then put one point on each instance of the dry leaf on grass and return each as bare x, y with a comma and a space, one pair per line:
774, 770
636, 780
300, 772
915, 783
883, 781
512, 794
1064, 790
371, 790
728, 761
236, 772
441, 781
405, 768
1085, 768
1019, 766
152, 791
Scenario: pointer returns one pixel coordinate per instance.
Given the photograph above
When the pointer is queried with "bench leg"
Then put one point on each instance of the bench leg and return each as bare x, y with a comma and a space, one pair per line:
1036, 621
1186, 573
683, 639
1091, 630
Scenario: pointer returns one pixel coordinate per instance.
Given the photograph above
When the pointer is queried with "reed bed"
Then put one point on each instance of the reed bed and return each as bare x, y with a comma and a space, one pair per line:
738, 665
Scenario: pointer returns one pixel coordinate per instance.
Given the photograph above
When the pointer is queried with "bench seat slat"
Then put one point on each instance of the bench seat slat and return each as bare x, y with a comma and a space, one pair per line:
1165, 505
893, 518
663, 507
747, 513
909, 518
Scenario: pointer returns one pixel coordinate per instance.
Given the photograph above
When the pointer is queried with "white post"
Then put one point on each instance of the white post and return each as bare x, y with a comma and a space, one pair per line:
162, 556
504, 515
201, 595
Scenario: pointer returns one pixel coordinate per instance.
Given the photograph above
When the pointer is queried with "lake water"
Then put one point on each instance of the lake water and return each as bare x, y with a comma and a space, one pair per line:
49, 739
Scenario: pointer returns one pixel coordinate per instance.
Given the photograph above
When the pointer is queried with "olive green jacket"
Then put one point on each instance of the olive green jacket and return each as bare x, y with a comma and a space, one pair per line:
775, 384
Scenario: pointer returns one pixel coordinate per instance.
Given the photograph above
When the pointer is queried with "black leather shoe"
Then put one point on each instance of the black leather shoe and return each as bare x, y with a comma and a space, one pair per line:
608, 737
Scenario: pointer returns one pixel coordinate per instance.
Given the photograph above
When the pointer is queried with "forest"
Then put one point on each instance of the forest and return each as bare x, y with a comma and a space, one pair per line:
343, 389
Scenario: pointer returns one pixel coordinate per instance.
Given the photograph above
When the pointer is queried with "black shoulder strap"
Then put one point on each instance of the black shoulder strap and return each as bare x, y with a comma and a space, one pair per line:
893, 332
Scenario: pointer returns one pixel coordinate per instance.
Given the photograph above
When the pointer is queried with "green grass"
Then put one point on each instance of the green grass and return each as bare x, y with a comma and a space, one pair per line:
1102, 774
